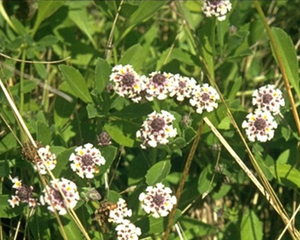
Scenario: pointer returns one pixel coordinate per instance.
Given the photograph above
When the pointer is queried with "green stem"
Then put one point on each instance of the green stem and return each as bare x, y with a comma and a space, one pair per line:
22, 81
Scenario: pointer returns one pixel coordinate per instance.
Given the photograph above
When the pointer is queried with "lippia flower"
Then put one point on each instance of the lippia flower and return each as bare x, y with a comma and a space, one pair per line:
48, 158
127, 83
85, 160
128, 231
118, 214
104, 139
268, 98
157, 129
55, 199
204, 98
218, 8
157, 200
182, 87
158, 85
260, 126
22, 194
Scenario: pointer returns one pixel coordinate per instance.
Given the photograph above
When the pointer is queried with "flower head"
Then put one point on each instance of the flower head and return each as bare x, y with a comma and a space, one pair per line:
157, 129
104, 139
157, 200
182, 87
127, 83
118, 214
85, 160
218, 8
55, 199
260, 126
204, 98
268, 98
158, 85
47, 157
128, 231
23, 194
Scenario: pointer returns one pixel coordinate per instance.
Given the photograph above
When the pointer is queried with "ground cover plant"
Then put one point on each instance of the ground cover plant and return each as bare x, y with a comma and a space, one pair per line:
149, 120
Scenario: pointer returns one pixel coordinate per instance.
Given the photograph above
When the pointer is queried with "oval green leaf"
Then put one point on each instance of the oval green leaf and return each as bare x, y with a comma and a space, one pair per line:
251, 228
76, 82
286, 174
158, 172
288, 56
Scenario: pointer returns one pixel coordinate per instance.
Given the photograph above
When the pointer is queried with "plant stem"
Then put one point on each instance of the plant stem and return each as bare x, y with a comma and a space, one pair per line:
21, 108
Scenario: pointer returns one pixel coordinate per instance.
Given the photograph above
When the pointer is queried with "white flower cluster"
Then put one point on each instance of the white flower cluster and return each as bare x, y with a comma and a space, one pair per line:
23, 194
217, 8
125, 229
261, 123
47, 157
85, 160
157, 129
157, 201
55, 200
127, 83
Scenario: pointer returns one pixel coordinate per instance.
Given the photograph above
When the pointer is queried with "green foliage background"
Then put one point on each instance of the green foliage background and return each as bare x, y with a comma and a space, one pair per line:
72, 47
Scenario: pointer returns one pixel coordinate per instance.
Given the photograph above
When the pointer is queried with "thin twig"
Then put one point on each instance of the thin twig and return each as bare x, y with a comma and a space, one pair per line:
110, 38
35, 62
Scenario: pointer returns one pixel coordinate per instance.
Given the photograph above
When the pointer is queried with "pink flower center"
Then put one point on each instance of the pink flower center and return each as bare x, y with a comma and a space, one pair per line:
158, 199
87, 160
158, 124
205, 97
159, 79
260, 124
267, 98
128, 79
24, 193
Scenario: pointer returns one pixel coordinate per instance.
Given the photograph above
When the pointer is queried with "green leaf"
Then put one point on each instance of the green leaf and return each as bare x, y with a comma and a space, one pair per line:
4, 168
133, 56
109, 153
145, 10
62, 159
43, 133
251, 227
102, 73
237, 83
288, 56
71, 229
41, 70
206, 49
76, 82
158, 172
134, 111
48, 40
80, 17
7, 143
286, 174
176, 54
121, 132
225, 123
205, 184
194, 228
5, 209
63, 109
45, 10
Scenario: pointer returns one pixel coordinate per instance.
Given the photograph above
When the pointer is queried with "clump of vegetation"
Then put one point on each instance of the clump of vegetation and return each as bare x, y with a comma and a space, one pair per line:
149, 120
